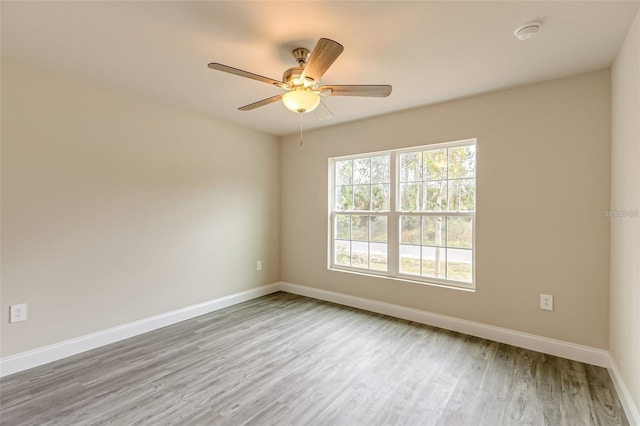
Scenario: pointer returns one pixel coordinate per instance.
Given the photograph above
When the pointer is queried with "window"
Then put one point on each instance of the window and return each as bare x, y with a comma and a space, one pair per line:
361, 208
406, 213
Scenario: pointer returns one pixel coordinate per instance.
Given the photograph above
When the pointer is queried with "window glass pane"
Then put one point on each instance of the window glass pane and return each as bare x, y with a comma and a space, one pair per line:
459, 265
435, 164
435, 196
462, 161
459, 232
411, 197
380, 197
360, 228
343, 227
362, 197
380, 169
434, 231
462, 195
344, 198
433, 262
379, 229
378, 256
359, 254
361, 171
343, 172
342, 253
411, 167
410, 230
410, 259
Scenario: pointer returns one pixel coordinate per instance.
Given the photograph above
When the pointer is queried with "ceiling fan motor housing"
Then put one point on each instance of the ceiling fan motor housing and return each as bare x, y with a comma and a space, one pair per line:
293, 77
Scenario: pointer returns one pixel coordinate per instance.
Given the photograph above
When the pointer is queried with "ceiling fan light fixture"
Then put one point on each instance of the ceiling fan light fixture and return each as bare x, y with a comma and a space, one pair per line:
301, 100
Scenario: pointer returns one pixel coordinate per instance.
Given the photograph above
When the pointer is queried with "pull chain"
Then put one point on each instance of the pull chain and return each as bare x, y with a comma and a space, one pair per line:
301, 125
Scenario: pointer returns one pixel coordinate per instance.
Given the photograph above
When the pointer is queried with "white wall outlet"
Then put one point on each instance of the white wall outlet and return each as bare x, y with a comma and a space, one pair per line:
546, 302
259, 265
18, 312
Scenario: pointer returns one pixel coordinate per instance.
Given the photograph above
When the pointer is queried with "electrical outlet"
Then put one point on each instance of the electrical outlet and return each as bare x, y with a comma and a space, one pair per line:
18, 312
259, 265
546, 302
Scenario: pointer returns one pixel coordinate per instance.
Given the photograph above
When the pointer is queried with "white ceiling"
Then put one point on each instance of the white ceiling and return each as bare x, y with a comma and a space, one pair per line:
429, 51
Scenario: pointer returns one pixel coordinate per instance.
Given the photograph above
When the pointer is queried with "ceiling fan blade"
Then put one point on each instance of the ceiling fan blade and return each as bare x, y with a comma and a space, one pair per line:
323, 55
374, 90
247, 74
261, 103
322, 112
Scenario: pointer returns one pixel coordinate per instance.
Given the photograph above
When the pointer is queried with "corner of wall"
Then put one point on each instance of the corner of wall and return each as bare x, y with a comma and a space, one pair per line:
624, 283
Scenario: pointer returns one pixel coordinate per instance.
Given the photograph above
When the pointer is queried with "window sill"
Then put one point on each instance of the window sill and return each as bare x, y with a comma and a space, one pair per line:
403, 278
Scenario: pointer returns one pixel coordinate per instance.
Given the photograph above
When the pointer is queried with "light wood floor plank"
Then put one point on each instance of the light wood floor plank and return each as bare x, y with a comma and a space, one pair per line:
289, 360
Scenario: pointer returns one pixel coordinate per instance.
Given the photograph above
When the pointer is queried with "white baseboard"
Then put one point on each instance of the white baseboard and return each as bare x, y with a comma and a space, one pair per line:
599, 357
56, 351
628, 404
586, 354
46, 354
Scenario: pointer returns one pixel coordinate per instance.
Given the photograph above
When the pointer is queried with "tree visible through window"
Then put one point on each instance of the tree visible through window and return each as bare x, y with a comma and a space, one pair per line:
415, 222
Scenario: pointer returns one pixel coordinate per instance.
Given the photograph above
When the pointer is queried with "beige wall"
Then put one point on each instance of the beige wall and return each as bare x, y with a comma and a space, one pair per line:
543, 179
116, 209
625, 194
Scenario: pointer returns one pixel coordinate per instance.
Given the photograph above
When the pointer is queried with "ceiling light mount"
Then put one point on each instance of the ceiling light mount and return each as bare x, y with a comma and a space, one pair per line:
528, 30
301, 55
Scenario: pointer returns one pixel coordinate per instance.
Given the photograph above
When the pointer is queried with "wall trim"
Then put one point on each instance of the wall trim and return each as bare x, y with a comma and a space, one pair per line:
630, 409
590, 355
46, 354
586, 354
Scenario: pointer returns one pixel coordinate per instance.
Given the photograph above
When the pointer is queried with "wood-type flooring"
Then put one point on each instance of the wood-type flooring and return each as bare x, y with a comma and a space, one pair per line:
285, 359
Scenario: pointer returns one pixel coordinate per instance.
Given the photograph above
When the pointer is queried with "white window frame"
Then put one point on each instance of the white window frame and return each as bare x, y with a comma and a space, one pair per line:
393, 218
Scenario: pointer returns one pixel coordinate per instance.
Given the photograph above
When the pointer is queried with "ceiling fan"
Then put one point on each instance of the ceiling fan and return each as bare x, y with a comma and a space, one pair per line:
302, 83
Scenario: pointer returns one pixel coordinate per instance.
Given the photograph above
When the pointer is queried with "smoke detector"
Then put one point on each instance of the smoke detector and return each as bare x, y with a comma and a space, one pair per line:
528, 30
